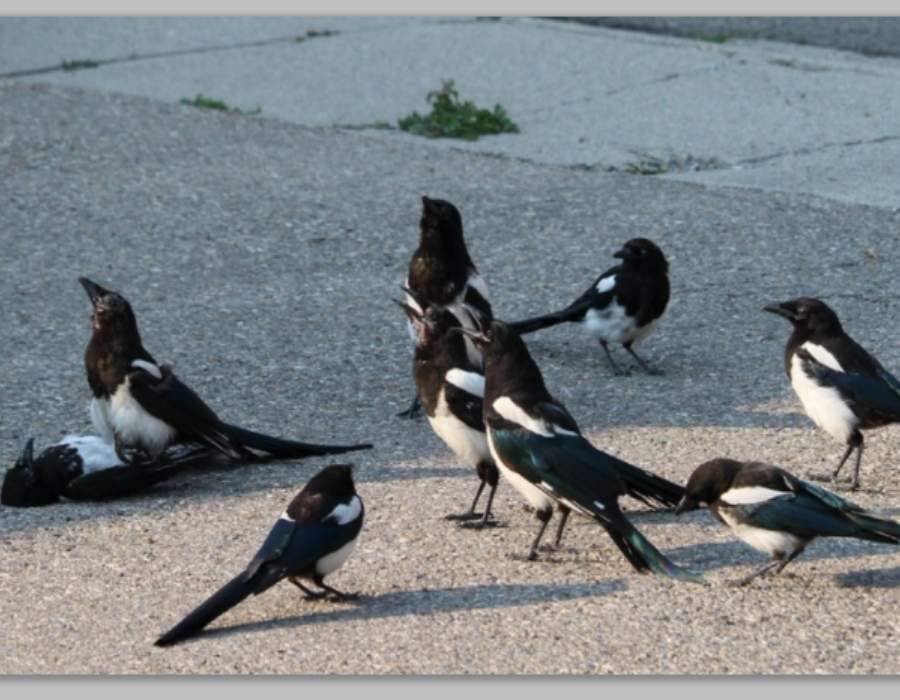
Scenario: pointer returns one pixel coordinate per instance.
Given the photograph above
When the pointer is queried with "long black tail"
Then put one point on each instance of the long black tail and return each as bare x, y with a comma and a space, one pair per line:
219, 602
285, 449
642, 554
653, 490
529, 325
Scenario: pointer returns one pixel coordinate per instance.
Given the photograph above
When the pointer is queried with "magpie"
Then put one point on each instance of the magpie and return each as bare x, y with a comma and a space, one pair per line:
312, 539
451, 390
86, 468
843, 389
141, 405
442, 272
621, 306
776, 513
540, 450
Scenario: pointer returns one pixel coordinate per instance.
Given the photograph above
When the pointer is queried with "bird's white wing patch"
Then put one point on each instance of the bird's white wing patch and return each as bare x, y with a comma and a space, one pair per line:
746, 495
822, 356
471, 382
344, 513
148, 367
285, 516
605, 284
514, 413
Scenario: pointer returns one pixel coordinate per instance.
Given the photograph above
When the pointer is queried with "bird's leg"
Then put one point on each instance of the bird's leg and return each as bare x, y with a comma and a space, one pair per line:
563, 519
649, 369
319, 580
855, 443
788, 559
544, 517
612, 362
308, 594
854, 485
469, 514
759, 572
414, 410
486, 520
128, 456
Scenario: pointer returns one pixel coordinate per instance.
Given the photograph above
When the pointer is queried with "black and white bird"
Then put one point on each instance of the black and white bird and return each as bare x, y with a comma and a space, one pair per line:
540, 450
622, 305
141, 405
843, 389
442, 272
312, 539
87, 468
451, 390
776, 513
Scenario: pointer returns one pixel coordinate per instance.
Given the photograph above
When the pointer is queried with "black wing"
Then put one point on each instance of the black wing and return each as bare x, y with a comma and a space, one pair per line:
465, 406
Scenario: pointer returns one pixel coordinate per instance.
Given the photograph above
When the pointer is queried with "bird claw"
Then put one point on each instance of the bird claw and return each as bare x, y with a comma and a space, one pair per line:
481, 524
468, 515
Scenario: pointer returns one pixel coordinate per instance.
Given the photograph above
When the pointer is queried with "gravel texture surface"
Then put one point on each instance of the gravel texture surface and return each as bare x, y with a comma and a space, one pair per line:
260, 258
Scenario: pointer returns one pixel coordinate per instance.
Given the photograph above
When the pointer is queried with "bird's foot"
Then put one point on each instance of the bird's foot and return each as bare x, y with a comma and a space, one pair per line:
480, 524
468, 515
414, 410
341, 597
318, 595
617, 372
654, 371
531, 556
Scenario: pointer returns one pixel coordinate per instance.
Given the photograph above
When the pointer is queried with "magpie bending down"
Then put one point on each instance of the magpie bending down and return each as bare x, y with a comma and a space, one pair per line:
312, 539
142, 405
451, 389
843, 389
777, 513
441, 272
538, 447
86, 468
622, 305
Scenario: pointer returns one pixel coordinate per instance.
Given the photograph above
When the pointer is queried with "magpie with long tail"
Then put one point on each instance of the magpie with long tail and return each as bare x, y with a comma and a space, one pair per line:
843, 389
141, 405
622, 305
539, 448
776, 513
441, 272
451, 390
87, 468
312, 539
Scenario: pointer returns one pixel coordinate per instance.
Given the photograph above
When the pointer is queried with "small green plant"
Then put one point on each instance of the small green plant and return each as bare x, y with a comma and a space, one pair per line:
454, 118
79, 65
204, 102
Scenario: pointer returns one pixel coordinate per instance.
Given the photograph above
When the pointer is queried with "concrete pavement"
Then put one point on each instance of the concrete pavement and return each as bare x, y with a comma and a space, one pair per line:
261, 252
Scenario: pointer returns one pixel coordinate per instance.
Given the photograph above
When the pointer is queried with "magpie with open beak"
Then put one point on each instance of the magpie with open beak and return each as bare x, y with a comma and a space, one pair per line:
621, 306
442, 272
312, 539
87, 468
776, 513
451, 390
141, 405
843, 389
539, 448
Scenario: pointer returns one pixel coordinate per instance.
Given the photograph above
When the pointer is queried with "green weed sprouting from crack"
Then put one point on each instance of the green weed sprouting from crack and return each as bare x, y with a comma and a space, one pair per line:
79, 64
451, 117
204, 102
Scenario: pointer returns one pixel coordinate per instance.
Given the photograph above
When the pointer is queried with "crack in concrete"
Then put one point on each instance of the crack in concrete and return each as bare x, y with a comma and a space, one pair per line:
805, 151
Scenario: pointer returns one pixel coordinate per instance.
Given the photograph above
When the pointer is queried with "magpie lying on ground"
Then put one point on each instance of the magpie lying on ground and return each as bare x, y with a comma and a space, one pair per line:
622, 305
442, 272
538, 447
843, 388
142, 405
312, 539
777, 513
86, 468
451, 389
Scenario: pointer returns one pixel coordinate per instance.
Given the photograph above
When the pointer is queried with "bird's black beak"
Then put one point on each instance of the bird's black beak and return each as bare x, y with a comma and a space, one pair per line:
94, 291
685, 504
429, 206
785, 310
27, 458
414, 314
623, 253
479, 338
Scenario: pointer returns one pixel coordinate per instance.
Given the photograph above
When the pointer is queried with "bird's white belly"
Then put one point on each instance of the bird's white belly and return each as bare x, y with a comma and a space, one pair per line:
823, 404
535, 497
131, 424
613, 325
468, 444
767, 541
334, 561
96, 453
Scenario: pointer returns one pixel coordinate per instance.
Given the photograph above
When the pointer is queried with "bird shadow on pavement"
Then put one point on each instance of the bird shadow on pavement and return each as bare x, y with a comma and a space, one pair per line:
430, 601
870, 578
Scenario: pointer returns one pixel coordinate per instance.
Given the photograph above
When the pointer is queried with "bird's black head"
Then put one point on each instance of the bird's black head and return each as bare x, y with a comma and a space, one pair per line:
709, 481
112, 311
22, 486
810, 317
508, 366
335, 479
440, 222
431, 325
644, 255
